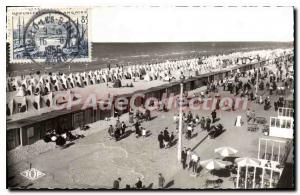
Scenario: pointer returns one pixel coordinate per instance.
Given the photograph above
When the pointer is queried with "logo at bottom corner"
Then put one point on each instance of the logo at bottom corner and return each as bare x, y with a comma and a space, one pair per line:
32, 174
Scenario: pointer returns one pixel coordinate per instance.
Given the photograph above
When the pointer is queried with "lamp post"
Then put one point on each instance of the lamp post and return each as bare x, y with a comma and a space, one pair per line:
182, 77
256, 87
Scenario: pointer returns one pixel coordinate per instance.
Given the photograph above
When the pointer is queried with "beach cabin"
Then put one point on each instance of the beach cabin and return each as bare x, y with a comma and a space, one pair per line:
28, 131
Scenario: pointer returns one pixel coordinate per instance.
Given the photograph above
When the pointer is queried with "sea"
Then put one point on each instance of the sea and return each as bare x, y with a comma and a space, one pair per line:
123, 54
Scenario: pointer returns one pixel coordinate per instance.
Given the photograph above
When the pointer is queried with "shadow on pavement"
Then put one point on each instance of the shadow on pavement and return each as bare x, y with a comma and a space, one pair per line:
169, 184
67, 145
194, 135
126, 134
173, 143
26, 186
199, 169
221, 173
150, 186
230, 158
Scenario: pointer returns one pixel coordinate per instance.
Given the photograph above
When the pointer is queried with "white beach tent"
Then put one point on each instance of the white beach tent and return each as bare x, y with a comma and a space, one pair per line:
11, 106
20, 92
37, 102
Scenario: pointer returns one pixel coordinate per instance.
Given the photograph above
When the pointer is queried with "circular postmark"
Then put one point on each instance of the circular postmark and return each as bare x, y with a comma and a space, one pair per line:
51, 37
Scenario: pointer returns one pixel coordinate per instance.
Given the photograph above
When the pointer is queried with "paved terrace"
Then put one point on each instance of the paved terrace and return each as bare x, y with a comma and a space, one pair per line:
96, 161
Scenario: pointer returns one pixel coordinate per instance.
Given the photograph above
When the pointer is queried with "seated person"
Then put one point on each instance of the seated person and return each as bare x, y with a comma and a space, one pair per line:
189, 134
111, 131
147, 115
268, 164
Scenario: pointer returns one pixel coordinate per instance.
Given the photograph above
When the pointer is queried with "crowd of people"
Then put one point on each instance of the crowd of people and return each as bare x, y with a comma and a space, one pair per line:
243, 84
190, 160
165, 139
118, 130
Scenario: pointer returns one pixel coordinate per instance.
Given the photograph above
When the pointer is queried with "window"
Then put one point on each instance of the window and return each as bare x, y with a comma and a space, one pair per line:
290, 113
283, 124
12, 138
288, 124
278, 123
284, 113
273, 122
279, 111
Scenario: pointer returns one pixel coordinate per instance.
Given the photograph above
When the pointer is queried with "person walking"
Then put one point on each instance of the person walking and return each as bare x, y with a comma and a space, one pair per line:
123, 127
172, 137
248, 115
131, 118
189, 132
202, 123
183, 157
117, 134
118, 124
196, 160
276, 105
208, 121
214, 116
161, 140
116, 184
233, 104
161, 181
137, 129
111, 131
189, 158
218, 104
189, 117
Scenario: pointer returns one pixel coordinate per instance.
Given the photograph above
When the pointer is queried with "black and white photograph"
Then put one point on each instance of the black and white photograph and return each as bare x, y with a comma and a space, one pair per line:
150, 97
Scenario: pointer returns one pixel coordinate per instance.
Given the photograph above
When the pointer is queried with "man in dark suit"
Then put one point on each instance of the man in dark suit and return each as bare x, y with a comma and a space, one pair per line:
139, 184
123, 127
111, 130
117, 183
208, 122
117, 134
183, 157
161, 140
189, 117
213, 116
137, 129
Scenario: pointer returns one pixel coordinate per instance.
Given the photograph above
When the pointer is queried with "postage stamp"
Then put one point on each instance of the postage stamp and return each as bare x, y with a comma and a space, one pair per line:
46, 35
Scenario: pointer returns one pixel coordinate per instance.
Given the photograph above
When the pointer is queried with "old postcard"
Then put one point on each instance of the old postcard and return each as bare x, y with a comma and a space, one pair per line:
150, 98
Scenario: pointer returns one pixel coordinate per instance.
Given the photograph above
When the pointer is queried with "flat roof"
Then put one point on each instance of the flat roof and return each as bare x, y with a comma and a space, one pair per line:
42, 117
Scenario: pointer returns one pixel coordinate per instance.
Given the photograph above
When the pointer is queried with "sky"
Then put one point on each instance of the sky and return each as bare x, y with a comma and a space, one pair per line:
189, 24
